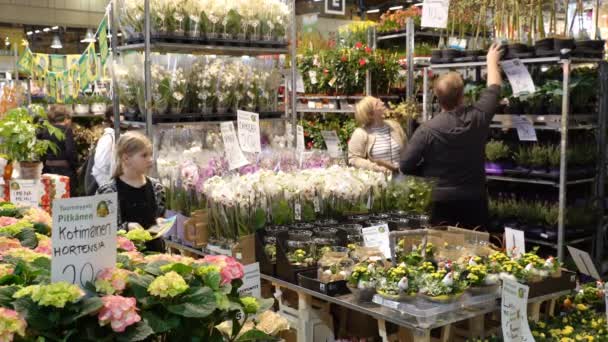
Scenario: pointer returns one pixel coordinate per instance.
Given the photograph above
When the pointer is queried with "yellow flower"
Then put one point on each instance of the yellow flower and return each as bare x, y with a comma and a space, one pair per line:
567, 330
581, 307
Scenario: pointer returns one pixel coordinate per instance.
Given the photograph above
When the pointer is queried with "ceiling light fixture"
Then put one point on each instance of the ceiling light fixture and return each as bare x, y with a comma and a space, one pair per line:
394, 8
37, 31
29, 33
89, 37
55, 28
377, 10
56, 44
46, 29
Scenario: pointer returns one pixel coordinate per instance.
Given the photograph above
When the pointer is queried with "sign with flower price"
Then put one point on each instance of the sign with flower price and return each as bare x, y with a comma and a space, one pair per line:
83, 238
514, 312
249, 131
435, 13
25, 191
233, 151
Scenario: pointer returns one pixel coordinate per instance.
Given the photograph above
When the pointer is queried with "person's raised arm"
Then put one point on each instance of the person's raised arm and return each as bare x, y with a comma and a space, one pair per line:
489, 98
492, 59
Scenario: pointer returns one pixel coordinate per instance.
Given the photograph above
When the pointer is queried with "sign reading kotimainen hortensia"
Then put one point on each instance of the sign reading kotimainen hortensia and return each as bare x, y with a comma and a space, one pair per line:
84, 238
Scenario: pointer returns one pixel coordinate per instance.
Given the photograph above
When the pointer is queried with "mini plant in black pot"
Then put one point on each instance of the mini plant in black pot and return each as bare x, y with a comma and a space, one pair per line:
581, 161
522, 159
539, 160
554, 159
497, 157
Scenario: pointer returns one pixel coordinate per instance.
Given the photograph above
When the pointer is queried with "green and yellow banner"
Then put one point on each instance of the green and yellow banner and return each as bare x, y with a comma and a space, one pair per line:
103, 41
26, 61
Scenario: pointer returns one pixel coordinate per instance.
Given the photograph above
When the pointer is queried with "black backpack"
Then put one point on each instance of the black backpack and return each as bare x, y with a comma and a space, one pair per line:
86, 172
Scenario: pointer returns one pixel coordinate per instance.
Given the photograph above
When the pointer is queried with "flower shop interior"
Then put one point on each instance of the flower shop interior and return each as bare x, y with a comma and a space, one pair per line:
273, 216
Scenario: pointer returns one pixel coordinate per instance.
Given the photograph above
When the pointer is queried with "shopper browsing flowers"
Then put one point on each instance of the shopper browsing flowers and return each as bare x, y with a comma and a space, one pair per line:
377, 143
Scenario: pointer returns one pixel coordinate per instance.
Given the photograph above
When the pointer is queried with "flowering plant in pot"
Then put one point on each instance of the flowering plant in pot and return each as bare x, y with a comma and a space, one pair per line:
19, 134
99, 104
497, 157
81, 105
362, 281
479, 278
398, 283
441, 284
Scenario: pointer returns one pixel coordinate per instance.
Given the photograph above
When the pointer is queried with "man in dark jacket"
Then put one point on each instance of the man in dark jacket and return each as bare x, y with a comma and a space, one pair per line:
450, 148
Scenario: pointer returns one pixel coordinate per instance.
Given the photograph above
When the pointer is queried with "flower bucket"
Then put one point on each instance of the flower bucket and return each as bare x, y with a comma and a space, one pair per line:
81, 109
30, 170
98, 108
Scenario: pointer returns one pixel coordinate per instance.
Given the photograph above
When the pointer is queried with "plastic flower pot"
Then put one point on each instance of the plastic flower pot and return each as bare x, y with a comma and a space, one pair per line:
483, 290
401, 297
30, 170
362, 295
538, 172
98, 108
589, 44
564, 44
398, 223
81, 109
493, 168
444, 299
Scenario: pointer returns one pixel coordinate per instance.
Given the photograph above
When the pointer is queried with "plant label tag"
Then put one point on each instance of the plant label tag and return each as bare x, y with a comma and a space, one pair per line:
515, 242
25, 192
313, 77
233, 151
298, 211
525, 129
514, 312
377, 236
251, 281
83, 238
332, 81
299, 82
249, 131
300, 139
457, 43
519, 77
332, 142
584, 263
316, 204
435, 13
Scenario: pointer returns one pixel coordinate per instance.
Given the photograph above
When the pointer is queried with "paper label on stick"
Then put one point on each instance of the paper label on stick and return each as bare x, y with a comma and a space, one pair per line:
377, 236
83, 238
519, 77
249, 131
251, 281
332, 142
235, 156
514, 312
515, 242
317, 205
313, 77
584, 263
25, 192
435, 13
525, 129
300, 139
298, 211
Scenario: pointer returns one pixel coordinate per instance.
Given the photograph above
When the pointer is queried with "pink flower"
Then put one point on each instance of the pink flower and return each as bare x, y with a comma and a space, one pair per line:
119, 311
135, 256
7, 221
362, 62
37, 215
11, 323
112, 280
368, 49
190, 174
7, 243
358, 45
44, 247
125, 244
230, 268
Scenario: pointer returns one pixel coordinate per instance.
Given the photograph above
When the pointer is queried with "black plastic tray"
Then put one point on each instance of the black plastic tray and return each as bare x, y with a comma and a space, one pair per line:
308, 279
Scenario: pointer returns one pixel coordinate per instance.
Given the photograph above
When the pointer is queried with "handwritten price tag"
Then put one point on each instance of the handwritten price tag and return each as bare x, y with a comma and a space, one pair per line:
519, 77
514, 312
233, 151
249, 131
435, 13
525, 129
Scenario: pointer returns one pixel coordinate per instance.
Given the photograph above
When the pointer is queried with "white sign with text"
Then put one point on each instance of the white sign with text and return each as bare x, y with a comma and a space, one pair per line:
332, 142
249, 131
235, 156
514, 312
519, 77
435, 13
515, 242
83, 238
377, 236
25, 192
525, 129
584, 263
251, 281
300, 139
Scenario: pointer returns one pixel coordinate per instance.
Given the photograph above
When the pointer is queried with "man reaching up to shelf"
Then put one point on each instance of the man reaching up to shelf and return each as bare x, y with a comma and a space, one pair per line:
450, 148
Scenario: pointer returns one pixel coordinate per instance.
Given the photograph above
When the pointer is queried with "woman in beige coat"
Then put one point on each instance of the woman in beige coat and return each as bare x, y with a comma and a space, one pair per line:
378, 143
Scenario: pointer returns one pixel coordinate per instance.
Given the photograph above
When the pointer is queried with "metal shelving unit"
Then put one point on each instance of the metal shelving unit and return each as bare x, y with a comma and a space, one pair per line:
199, 46
561, 124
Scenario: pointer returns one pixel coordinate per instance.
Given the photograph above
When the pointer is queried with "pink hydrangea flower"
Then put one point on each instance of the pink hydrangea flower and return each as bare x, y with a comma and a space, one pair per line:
7, 221
230, 268
37, 215
125, 244
111, 280
44, 247
7, 243
134, 256
11, 323
119, 311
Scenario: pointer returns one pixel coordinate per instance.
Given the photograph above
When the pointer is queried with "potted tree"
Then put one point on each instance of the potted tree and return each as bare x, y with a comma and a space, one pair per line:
19, 139
81, 105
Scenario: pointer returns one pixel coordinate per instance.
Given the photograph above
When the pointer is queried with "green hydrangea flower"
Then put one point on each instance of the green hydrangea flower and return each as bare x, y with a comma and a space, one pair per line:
25, 254
168, 285
206, 269
250, 305
15, 228
56, 294
139, 235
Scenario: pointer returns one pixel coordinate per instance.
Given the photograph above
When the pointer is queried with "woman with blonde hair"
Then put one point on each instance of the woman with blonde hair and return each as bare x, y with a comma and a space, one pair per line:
377, 143
141, 199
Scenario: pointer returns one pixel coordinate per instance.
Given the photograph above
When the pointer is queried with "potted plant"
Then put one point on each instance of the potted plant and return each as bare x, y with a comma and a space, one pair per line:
522, 160
538, 160
81, 105
554, 161
479, 278
362, 281
19, 139
399, 284
98, 104
497, 156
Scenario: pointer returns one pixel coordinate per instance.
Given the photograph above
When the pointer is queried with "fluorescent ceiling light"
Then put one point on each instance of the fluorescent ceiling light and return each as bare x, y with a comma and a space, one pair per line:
394, 8
46, 29
37, 31
377, 10
55, 27
29, 33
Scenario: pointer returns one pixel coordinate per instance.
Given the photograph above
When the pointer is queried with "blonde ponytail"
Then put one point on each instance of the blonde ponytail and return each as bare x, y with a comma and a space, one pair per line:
129, 144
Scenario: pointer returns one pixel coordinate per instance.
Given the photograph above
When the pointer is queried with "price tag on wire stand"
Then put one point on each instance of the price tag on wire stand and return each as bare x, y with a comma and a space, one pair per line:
235, 155
519, 77
515, 242
514, 312
435, 13
525, 129
300, 139
248, 124
583, 262
377, 236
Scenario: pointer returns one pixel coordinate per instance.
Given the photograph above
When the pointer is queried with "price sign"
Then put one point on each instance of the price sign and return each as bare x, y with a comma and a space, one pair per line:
435, 13
583, 262
83, 238
25, 192
515, 241
251, 281
525, 129
313, 77
332, 142
377, 236
233, 151
249, 131
300, 139
514, 312
519, 77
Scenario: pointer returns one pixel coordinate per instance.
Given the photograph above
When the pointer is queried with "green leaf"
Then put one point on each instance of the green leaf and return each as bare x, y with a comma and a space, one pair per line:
139, 285
154, 267
180, 268
11, 279
213, 280
199, 303
42, 228
137, 332
6, 295
256, 335
160, 325
28, 238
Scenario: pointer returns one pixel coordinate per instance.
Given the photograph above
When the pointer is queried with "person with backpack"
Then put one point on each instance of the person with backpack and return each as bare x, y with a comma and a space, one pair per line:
99, 166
